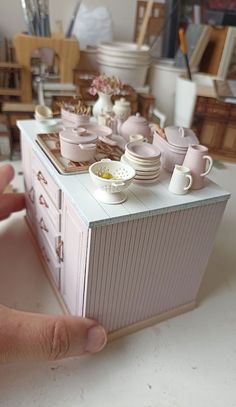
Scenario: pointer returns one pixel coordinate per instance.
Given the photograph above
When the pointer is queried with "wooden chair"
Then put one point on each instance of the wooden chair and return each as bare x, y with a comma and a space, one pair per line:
67, 50
13, 112
10, 71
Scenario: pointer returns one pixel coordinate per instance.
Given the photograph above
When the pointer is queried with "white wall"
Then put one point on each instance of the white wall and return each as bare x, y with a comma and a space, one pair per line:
123, 14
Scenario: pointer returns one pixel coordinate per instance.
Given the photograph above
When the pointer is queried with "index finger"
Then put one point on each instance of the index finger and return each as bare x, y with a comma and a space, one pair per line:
6, 175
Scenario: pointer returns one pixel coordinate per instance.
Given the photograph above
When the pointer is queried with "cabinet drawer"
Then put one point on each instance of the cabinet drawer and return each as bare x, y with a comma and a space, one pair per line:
46, 207
30, 205
50, 259
46, 229
42, 177
29, 194
30, 213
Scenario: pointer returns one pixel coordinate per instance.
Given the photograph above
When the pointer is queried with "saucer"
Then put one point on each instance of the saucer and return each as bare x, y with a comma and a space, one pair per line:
146, 181
147, 173
142, 161
147, 177
140, 167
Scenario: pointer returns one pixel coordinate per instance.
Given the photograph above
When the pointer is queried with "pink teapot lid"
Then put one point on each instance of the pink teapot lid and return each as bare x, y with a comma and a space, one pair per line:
180, 136
137, 119
78, 135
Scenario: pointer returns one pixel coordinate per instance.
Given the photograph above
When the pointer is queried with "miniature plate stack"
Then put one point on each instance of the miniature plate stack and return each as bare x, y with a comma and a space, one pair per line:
145, 159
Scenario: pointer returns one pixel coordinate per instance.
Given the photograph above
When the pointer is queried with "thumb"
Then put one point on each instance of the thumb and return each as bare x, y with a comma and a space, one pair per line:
29, 336
6, 175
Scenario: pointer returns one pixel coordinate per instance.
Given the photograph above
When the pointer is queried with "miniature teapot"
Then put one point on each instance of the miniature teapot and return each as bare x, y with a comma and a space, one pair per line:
135, 125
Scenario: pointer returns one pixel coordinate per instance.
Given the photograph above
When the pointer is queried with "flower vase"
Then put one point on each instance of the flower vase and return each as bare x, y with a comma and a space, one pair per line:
102, 104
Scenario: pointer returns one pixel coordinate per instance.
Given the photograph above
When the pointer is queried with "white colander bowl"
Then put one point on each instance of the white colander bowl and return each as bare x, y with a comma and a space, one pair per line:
111, 190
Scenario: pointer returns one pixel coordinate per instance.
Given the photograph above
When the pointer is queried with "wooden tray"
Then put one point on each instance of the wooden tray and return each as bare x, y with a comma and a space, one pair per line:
50, 144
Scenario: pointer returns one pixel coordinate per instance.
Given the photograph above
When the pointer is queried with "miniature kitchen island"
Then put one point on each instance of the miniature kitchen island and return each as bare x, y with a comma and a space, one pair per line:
128, 265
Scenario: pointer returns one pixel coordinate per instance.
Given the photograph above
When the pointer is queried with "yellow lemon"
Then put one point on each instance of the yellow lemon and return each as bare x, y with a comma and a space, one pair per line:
106, 175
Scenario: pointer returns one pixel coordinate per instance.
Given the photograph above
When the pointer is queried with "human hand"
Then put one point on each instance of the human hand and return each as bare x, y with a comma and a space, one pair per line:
37, 337
9, 202
30, 336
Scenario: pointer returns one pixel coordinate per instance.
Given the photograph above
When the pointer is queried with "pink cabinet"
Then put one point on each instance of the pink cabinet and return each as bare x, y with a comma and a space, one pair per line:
128, 265
43, 201
143, 270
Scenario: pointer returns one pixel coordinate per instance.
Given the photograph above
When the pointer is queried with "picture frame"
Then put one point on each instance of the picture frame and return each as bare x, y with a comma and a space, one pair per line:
228, 52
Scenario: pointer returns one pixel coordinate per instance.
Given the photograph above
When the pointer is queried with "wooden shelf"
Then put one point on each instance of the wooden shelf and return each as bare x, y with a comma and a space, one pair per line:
10, 92
10, 65
214, 122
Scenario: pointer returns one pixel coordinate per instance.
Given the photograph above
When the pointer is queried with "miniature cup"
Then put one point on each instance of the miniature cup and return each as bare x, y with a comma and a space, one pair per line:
181, 180
196, 160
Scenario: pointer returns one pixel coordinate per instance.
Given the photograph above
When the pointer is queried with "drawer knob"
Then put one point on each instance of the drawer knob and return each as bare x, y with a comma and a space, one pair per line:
42, 225
41, 178
43, 201
59, 252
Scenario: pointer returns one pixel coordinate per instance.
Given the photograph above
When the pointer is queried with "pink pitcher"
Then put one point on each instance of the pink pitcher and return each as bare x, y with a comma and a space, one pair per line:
196, 160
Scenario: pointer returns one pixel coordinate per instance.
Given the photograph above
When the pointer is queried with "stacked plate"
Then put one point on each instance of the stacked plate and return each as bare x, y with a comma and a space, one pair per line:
145, 159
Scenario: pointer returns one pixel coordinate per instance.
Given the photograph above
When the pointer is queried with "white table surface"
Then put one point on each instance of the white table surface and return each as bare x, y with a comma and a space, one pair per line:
143, 200
189, 360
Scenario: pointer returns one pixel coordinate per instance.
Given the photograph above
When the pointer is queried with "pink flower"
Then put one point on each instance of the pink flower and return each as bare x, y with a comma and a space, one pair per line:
105, 84
92, 91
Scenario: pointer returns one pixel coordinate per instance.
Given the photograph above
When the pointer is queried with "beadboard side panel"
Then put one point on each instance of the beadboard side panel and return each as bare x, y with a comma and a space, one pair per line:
142, 268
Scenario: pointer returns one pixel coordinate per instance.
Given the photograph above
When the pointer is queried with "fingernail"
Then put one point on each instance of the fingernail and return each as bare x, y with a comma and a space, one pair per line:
96, 339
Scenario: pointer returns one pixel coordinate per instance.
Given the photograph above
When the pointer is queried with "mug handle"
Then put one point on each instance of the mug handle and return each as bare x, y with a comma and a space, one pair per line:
207, 157
190, 181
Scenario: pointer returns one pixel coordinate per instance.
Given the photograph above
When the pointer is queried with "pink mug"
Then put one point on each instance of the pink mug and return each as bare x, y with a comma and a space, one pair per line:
196, 160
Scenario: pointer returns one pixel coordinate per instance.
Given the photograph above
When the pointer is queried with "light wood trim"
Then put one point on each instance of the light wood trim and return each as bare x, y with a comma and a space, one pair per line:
10, 92
10, 65
200, 47
216, 46
144, 25
227, 53
17, 107
151, 321
225, 156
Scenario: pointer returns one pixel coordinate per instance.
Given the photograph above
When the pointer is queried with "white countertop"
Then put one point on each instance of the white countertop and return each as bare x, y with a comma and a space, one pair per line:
189, 360
143, 200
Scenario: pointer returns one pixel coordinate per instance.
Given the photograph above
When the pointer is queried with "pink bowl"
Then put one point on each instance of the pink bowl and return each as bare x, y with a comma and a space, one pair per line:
142, 150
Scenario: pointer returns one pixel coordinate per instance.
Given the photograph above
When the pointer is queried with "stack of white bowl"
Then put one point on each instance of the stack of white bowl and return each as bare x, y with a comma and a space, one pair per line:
145, 159
125, 60
44, 116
